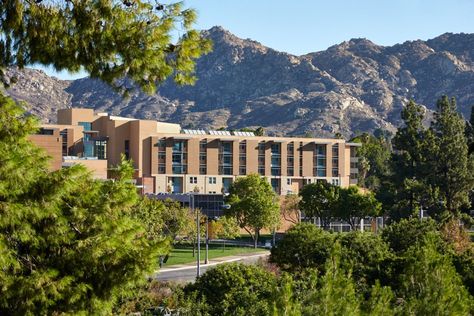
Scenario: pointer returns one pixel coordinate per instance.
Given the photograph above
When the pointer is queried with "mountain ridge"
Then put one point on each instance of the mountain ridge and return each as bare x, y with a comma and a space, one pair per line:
351, 87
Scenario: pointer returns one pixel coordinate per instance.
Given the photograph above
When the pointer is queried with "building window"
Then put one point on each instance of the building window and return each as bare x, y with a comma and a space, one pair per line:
225, 158
275, 185
161, 168
242, 170
300, 150
63, 134
86, 125
275, 159
45, 131
243, 147
100, 148
335, 181
320, 161
126, 149
161, 144
261, 171
226, 183
161, 157
212, 180
202, 146
335, 160
193, 180
290, 171
289, 181
179, 157
202, 169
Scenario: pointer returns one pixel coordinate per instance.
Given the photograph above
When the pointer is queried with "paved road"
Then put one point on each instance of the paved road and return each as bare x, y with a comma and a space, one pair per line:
188, 273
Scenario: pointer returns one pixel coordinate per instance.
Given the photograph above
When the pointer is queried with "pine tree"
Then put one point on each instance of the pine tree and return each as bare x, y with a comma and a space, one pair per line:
68, 243
108, 39
336, 295
430, 284
412, 146
451, 167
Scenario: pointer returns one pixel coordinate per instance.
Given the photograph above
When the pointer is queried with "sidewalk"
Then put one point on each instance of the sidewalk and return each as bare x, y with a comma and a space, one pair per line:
215, 261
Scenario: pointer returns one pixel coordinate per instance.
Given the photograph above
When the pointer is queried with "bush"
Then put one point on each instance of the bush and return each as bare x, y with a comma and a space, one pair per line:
368, 256
303, 246
235, 289
403, 234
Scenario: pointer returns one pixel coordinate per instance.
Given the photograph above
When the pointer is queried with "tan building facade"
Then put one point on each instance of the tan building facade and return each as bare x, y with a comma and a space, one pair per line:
169, 159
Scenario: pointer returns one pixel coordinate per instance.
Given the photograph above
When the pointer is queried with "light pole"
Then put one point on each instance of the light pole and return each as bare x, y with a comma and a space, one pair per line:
198, 261
206, 260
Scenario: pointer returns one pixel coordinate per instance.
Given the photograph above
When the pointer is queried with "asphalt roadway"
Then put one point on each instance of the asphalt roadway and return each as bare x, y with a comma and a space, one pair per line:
187, 273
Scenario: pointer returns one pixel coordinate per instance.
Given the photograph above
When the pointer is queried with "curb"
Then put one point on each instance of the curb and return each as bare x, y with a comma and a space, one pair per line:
211, 264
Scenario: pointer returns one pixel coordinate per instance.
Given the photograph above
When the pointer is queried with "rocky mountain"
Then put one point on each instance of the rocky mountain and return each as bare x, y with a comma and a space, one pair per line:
351, 87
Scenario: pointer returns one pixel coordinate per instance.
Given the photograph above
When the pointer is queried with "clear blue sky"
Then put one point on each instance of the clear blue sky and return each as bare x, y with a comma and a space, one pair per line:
303, 26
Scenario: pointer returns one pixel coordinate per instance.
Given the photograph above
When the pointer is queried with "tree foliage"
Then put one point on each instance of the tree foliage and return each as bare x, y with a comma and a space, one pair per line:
374, 156
235, 289
303, 246
253, 204
430, 284
69, 243
353, 205
319, 200
452, 170
290, 209
108, 39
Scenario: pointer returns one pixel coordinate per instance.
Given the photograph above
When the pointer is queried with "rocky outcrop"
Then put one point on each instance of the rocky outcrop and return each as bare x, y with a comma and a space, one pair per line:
351, 87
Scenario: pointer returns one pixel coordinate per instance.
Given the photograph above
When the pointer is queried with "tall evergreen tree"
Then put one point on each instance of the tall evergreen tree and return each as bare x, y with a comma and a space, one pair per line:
68, 243
451, 168
412, 145
430, 284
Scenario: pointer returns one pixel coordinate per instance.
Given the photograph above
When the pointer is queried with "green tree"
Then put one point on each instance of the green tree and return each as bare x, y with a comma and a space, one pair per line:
452, 170
336, 295
430, 284
235, 289
177, 220
253, 204
374, 157
225, 227
319, 200
413, 146
290, 209
109, 39
368, 257
354, 205
303, 246
470, 131
259, 131
69, 243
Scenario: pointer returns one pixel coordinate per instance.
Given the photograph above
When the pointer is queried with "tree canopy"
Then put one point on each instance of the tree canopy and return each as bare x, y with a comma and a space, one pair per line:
319, 200
110, 40
254, 204
69, 243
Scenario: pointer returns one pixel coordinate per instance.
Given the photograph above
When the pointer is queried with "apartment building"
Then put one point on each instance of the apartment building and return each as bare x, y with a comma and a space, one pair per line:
170, 159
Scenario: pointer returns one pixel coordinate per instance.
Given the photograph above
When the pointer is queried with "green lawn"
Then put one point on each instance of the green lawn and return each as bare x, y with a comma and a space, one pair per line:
184, 254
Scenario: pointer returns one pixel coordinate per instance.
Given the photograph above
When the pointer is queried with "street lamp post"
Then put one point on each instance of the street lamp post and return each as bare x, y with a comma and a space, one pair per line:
198, 261
206, 261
